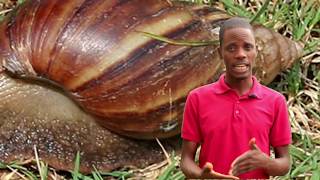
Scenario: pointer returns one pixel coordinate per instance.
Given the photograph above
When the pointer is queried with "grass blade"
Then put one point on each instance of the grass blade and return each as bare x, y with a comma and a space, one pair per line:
316, 174
168, 171
96, 174
303, 167
261, 10
179, 42
75, 173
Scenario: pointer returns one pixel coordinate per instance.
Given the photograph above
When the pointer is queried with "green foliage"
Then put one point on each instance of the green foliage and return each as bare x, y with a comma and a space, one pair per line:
118, 174
172, 172
303, 17
310, 163
294, 80
236, 9
300, 21
19, 168
261, 11
95, 175
75, 173
20, 1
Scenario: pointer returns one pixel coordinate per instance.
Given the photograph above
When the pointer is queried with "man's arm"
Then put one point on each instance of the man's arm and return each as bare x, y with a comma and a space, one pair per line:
281, 164
188, 165
255, 158
191, 169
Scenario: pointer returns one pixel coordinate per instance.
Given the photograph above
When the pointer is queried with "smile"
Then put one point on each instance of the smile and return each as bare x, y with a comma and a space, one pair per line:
240, 68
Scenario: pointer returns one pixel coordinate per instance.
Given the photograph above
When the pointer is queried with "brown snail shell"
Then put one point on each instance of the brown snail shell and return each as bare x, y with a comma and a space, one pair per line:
134, 85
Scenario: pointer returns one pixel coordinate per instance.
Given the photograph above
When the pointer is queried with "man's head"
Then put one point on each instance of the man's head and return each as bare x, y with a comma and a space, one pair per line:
237, 48
235, 22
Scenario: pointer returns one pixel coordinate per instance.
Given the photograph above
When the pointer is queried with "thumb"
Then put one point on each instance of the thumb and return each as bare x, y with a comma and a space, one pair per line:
253, 145
207, 167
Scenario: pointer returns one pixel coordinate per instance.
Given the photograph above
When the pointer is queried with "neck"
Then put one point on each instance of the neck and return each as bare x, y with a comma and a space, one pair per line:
241, 86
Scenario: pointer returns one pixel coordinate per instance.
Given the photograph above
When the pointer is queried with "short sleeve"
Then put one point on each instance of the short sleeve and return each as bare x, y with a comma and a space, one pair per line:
280, 133
190, 125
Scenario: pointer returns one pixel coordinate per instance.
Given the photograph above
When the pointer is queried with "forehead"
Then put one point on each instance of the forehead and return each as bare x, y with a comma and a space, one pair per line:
238, 34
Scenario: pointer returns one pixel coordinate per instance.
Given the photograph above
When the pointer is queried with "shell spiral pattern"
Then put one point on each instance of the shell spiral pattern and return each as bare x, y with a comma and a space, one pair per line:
134, 85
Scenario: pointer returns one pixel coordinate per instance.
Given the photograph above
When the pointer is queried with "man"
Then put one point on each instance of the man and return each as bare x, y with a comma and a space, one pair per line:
236, 119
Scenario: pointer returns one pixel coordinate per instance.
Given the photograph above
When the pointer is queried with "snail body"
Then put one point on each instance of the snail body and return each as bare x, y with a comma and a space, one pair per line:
131, 84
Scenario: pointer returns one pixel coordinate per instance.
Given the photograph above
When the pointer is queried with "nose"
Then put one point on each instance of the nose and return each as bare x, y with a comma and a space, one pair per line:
240, 53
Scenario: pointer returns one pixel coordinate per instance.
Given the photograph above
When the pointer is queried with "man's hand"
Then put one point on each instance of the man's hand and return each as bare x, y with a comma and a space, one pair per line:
250, 160
192, 170
208, 172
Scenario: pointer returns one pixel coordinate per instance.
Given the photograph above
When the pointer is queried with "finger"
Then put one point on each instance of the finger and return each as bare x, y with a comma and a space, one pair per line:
208, 167
242, 165
238, 167
242, 169
248, 164
253, 145
235, 161
223, 176
240, 158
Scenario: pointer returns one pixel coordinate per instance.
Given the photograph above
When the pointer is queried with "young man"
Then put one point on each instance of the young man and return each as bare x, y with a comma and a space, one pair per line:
236, 119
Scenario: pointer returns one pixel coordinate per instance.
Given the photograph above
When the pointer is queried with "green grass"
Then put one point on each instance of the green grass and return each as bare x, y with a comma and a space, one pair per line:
301, 22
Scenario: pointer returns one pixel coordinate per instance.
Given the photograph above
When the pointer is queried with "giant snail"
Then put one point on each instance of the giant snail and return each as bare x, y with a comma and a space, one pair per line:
113, 77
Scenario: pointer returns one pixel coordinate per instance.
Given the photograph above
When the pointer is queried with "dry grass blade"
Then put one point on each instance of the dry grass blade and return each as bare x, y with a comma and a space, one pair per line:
164, 151
9, 176
15, 171
37, 159
5, 11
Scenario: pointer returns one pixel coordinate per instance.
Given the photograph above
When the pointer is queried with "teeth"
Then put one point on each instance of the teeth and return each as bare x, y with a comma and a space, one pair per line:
240, 68
241, 65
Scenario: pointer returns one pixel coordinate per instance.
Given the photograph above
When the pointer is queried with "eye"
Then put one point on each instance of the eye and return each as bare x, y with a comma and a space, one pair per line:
248, 47
231, 48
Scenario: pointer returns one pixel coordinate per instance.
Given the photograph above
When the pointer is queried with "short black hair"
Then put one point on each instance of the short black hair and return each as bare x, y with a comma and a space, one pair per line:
234, 22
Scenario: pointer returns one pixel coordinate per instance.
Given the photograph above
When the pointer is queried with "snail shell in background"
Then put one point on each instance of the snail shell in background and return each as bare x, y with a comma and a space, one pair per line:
134, 85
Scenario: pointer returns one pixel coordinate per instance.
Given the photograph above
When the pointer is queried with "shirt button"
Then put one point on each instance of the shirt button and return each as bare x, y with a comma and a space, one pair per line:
237, 112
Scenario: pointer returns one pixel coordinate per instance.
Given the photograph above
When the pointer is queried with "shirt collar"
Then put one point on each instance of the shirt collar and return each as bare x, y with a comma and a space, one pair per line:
255, 92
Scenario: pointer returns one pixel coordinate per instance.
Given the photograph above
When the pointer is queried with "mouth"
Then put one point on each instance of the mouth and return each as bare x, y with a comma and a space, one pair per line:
240, 68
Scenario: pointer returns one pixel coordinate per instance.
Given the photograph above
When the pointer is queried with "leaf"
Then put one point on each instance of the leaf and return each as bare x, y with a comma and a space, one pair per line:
261, 10
119, 174
168, 171
21, 1
44, 171
75, 173
297, 153
303, 167
315, 174
96, 174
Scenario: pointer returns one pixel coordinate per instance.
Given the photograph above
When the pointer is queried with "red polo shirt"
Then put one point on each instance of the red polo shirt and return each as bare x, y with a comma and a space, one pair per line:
223, 123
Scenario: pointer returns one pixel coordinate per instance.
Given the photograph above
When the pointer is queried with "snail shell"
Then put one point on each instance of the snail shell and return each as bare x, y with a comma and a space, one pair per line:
134, 85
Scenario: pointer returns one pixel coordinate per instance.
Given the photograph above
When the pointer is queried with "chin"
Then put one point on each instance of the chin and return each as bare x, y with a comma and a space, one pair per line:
242, 76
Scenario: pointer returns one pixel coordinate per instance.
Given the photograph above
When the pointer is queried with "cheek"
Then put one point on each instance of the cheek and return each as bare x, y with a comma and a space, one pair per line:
226, 60
227, 57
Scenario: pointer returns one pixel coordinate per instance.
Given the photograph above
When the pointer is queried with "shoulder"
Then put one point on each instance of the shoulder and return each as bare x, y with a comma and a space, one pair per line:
203, 90
271, 94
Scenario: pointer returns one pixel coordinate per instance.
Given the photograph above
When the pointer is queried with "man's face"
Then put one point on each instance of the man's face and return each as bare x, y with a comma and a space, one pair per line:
238, 51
